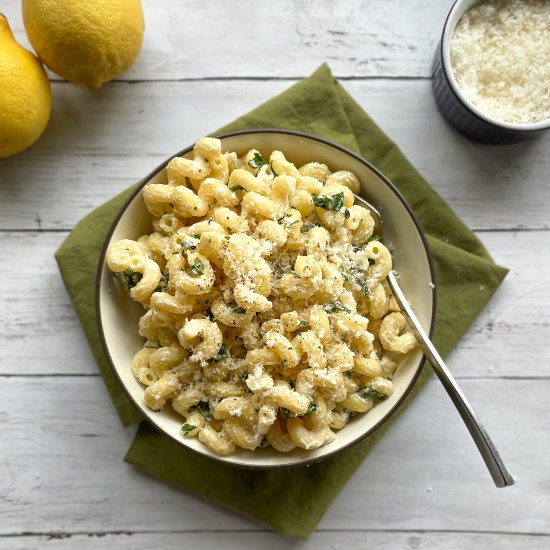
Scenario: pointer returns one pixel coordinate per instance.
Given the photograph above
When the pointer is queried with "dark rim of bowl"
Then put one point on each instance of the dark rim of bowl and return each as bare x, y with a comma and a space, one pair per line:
311, 137
463, 100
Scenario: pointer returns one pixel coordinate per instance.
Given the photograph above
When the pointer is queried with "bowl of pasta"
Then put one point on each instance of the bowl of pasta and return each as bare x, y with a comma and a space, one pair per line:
242, 299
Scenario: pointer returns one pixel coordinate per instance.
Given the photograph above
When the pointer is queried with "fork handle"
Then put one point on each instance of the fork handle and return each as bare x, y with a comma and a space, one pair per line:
501, 476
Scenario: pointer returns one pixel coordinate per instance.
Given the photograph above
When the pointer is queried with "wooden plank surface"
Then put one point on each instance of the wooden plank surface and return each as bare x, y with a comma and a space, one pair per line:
237, 39
99, 143
61, 470
508, 339
335, 540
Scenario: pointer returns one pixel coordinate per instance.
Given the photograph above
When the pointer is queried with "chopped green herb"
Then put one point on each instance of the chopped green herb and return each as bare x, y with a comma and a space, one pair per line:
239, 310
371, 392
273, 170
333, 307
374, 238
287, 222
328, 203
187, 428
358, 248
163, 283
361, 282
222, 353
128, 279
204, 408
236, 188
312, 407
345, 275
209, 315
287, 412
358, 277
331, 202
245, 376
198, 268
307, 226
303, 324
227, 237
197, 236
288, 225
188, 245
154, 345
256, 162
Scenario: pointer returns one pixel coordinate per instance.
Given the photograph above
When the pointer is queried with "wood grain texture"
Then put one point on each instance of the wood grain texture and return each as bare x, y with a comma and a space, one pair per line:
41, 335
61, 467
237, 39
332, 540
99, 143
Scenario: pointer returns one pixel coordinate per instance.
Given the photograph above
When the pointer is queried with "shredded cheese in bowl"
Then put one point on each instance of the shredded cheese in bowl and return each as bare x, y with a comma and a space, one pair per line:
500, 56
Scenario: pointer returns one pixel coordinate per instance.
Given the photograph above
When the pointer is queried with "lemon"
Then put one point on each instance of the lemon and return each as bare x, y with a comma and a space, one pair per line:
85, 41
25, 95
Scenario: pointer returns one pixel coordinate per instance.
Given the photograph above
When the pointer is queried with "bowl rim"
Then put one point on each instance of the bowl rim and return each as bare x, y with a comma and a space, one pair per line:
458, 9
294, 133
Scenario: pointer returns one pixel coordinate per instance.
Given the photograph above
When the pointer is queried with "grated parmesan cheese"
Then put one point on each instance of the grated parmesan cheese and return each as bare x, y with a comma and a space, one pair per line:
500, 56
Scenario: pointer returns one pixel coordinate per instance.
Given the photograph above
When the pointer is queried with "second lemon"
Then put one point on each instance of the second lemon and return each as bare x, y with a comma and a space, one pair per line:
85, 41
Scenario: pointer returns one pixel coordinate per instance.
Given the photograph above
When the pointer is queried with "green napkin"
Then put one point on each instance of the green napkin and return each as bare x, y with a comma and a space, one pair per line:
294, 500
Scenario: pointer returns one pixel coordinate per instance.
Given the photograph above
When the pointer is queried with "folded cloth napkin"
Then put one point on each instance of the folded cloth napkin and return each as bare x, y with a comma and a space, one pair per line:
293, 500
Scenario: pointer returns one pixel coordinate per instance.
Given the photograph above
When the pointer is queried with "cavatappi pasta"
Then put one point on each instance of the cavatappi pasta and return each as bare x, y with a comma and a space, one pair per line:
268, 317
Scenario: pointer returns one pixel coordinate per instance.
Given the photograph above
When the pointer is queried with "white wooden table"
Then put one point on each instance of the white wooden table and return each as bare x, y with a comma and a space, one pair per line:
62, 480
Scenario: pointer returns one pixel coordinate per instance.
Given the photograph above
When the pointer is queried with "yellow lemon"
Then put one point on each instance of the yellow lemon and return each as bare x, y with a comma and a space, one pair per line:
25, 95
85, 41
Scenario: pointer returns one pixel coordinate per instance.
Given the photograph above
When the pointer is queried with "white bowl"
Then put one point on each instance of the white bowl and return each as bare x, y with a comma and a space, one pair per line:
118, 315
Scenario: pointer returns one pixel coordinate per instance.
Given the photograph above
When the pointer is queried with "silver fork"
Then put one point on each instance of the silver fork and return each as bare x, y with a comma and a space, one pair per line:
501, 476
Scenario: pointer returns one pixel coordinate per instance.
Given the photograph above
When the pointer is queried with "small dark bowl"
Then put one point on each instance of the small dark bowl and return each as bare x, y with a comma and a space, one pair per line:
457, 109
